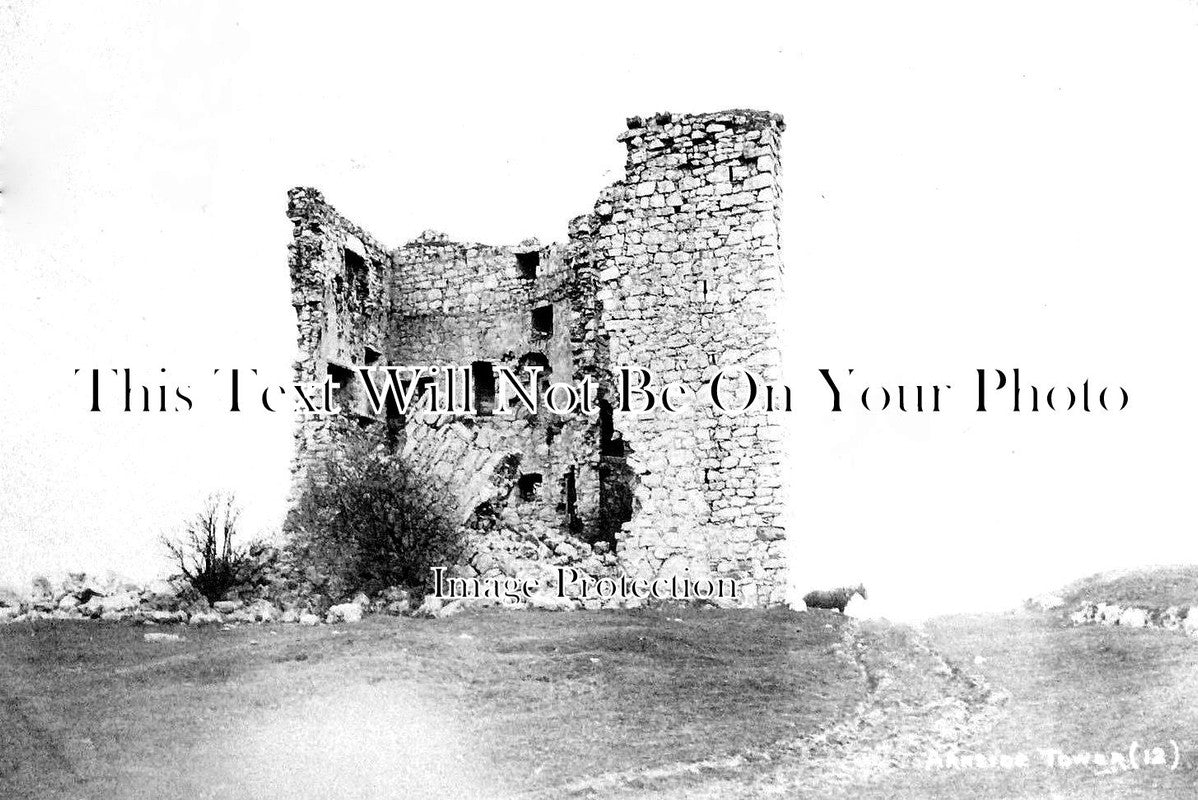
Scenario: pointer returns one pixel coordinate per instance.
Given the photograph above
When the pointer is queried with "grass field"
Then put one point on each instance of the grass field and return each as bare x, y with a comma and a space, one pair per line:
1153, 587
496, 703
651, 704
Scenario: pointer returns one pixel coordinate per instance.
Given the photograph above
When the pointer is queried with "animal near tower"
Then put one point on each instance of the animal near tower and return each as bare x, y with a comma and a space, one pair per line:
677, 269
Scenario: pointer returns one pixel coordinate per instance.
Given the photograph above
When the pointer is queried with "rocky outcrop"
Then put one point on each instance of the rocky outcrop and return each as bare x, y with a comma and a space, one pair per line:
1171, 618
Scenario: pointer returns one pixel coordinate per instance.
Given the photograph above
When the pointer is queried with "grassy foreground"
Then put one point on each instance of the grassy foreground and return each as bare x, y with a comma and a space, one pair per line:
651, 704
491, 704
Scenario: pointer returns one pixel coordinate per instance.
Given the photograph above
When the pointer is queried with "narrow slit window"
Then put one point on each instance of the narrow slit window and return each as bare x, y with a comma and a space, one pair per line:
571, 497
346, 391
482, 376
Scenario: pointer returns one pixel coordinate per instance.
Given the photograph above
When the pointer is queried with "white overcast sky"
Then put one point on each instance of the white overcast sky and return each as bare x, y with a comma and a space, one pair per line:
966, 185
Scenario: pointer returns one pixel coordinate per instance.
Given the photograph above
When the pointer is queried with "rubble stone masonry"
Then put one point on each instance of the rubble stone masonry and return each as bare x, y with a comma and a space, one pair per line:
677, 269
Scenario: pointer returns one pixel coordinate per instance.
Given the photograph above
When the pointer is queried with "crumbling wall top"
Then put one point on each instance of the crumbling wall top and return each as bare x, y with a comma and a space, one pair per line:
743, 118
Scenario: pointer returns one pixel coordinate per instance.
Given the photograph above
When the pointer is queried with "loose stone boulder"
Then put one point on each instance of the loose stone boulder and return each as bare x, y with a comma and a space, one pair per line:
451, 608
164, 637
1171, 618
1190, 623
344, 612
94, 607
1133, 618
309, 619
549, 601
119, 603
263, 611
9, 598
206, 618
429, 607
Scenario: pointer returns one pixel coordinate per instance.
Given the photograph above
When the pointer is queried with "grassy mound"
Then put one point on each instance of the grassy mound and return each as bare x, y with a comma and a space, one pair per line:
1150, 587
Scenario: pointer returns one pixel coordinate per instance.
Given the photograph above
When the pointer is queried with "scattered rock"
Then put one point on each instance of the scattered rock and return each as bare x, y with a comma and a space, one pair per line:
1190, 623
164, 637
206, 618
344, 612
119, 603
1133, 618
549, 601
262, 611
429, 607
450, 608
94, 607
309, 619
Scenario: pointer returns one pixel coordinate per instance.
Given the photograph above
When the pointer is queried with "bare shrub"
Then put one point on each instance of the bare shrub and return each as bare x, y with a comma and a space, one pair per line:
205, 552
369, 522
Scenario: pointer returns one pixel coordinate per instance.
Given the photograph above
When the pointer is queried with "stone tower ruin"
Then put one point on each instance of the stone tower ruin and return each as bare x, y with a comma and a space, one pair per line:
677, 269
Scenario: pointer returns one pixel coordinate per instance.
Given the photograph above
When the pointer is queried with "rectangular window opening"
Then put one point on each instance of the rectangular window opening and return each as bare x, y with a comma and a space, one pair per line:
354, 263
542, 320
528, 263
529, 485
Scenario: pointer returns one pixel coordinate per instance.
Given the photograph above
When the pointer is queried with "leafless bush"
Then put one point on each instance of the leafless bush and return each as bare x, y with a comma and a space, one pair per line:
205, 552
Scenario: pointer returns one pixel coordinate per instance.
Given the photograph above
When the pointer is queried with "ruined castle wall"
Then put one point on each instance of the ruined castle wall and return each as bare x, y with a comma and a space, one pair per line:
455, 303
677, 269
340, 277
688, 246
458, 303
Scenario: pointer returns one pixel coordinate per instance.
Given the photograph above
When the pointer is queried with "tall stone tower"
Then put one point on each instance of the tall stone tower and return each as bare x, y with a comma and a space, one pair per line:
689, 268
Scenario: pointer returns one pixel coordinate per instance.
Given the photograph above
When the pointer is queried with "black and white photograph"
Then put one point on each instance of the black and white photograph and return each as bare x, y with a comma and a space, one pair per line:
537, 400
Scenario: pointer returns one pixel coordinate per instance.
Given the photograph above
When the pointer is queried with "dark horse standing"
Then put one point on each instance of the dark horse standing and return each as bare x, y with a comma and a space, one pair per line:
834, 598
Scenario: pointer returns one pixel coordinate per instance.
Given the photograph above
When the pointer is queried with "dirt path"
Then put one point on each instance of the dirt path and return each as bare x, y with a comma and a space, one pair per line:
993, 685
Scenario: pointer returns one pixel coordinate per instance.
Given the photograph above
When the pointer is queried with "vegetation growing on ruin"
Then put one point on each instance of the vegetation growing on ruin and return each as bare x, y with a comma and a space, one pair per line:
369, 522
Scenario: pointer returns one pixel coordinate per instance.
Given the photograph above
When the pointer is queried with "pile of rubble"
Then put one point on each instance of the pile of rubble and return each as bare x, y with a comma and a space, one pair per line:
80, 597
277, 593
1172, 618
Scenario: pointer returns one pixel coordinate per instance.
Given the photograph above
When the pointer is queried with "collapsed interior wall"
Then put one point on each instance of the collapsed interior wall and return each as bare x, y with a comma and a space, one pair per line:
676, 270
